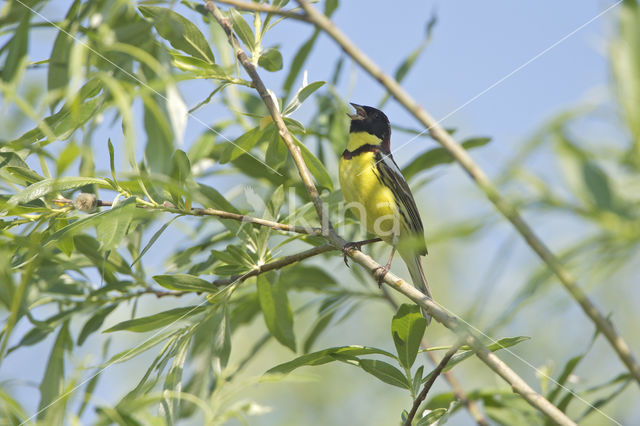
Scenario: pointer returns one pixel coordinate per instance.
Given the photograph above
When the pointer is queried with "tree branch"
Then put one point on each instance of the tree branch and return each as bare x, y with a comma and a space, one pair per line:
276, 264
261, 7
437, 312
432, 378
479, 176
518, 385
168, 207
271, 105
471, 405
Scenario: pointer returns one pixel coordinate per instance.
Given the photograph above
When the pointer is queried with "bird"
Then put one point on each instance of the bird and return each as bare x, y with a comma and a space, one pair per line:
379, 196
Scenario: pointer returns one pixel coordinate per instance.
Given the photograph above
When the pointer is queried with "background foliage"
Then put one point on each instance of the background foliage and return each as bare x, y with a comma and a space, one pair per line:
110, 315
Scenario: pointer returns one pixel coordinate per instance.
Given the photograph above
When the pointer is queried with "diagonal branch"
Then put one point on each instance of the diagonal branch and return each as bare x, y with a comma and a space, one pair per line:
274, 110
480, 177
471, 405
261, 7
430, 381
437, 312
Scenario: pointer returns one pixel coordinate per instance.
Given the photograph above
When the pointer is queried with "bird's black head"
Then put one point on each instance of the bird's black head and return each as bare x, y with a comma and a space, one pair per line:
371, 120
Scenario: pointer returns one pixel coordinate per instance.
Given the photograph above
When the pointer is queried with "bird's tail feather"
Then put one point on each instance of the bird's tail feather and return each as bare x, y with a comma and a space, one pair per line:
419, 280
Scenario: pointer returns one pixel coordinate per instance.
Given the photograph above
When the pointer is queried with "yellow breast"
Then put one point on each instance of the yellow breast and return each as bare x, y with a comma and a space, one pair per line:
371, 201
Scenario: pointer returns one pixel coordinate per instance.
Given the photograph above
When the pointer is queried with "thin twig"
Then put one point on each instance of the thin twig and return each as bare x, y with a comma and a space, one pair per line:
168, 207
276, 264
471, 405
271, 105
261, 7
432, 378
437, 312
483, 181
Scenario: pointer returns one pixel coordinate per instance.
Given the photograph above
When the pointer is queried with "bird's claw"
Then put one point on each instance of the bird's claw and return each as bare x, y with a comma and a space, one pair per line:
380, 272
348, 247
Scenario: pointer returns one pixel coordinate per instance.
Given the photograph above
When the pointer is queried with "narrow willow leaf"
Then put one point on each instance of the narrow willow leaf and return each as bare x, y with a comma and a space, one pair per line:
243, 30
222, 336
71, 116
325, 356
52, 384
466, 352
179, 31
299, 60
241, 145
407, 328
173, 381
152, 322
437, 156
114, 226
185, 282
385, 372
47, 186
17, 50
302, 94
597, 183
137, 350
276, 310
317, 169
95, 322
58, 73
154, 238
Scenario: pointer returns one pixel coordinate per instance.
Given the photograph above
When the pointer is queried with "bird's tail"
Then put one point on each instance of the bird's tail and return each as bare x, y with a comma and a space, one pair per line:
419, 280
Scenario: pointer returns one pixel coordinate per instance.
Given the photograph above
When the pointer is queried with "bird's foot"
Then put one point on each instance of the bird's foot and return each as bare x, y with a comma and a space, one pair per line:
357, 245
380, 272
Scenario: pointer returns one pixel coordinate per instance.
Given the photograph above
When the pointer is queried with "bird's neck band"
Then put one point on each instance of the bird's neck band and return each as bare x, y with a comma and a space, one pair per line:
348, 155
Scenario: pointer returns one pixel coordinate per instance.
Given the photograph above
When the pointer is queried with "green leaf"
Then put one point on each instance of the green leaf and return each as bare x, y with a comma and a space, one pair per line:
505, 342
323, 179
242, 145
432, 417
185, 282
303, 93
222, 336
211, 197
330, 6
625, 62
325, 356
17, 50
159, 146
271, 60
114, 225
243, 30
303, 277
71, 116
385, 372
179, 31
147, 344
597, 183
47, 186
173, 381
95, 322
154, 238
299, 60
181, 166
276, 310
152, 322
437, 156
58, 75
52, 384
319, 325
407, 328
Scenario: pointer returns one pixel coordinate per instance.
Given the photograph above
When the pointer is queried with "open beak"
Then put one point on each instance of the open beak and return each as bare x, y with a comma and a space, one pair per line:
360, 113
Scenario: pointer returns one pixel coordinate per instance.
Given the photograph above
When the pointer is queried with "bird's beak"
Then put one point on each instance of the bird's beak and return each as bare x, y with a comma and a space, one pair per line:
360, 113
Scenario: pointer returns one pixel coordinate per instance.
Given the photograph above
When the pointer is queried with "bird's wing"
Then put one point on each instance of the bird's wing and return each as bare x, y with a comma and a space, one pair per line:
392, 177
